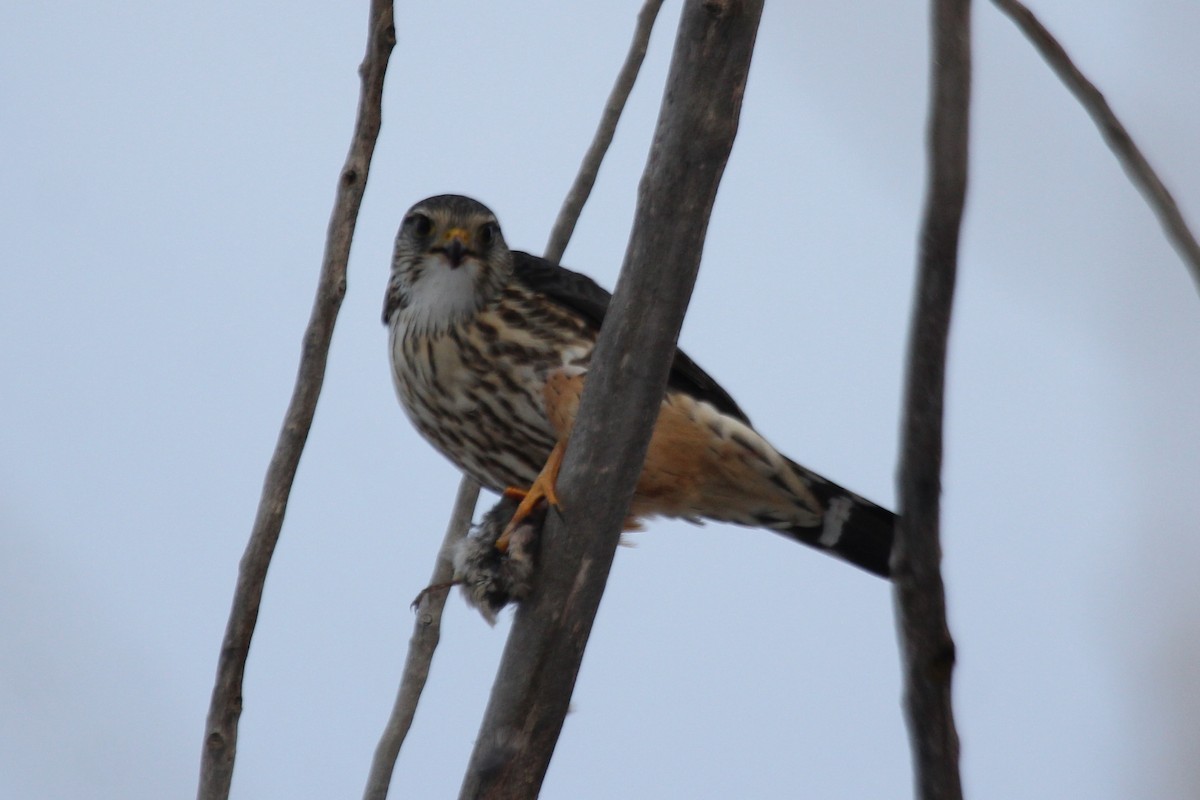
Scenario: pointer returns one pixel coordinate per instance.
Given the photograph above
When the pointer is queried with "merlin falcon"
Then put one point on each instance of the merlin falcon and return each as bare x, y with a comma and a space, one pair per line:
490, 350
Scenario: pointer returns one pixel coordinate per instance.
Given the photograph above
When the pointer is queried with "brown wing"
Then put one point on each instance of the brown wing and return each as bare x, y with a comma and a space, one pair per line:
587, 298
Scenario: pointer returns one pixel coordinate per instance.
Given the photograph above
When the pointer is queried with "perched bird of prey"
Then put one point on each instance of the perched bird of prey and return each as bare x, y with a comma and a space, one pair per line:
490, 350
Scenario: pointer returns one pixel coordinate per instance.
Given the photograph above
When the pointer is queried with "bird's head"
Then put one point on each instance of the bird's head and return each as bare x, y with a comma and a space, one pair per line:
450, 260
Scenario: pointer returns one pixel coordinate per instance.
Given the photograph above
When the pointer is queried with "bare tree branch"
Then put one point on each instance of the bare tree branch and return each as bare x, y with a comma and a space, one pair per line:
695, 131
220, 737
427, 632
427, 629
1136, 166
926, 645
572, 205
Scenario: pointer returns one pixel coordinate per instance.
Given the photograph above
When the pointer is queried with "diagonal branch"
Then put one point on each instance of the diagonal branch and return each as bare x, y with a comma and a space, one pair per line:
427, 632
220, 735
926, 645
427, 628
694, 134
572, 205
1136, 166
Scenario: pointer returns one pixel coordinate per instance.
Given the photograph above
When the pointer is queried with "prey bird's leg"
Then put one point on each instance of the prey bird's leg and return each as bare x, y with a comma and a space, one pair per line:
431, 588
543, 488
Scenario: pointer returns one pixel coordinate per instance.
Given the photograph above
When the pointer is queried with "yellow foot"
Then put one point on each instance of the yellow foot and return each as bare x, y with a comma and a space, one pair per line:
543, 488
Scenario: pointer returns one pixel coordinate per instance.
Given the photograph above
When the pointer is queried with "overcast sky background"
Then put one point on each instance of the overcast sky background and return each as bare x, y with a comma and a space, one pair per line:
168, 173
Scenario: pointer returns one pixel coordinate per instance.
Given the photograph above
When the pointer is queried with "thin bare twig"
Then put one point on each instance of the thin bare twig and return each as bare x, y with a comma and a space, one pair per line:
427, 631
695, 131
1119, 141
927, 648
572, 205
220, 736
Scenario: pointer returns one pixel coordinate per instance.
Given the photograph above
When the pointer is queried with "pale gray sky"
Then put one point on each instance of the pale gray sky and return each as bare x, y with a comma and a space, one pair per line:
168, 175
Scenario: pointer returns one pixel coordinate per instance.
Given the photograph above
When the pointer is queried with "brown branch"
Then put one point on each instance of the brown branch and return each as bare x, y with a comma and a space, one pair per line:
694, 134
1119, 141
572, 205
427, 631
220, 736
926, 645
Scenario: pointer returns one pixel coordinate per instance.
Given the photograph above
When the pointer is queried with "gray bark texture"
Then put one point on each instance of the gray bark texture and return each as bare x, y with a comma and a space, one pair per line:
225, 707
427, 633
427, 628
694, 134
927, 649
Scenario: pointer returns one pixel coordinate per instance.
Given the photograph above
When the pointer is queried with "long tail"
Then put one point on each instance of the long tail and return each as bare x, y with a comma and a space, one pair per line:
705, 464
852, 528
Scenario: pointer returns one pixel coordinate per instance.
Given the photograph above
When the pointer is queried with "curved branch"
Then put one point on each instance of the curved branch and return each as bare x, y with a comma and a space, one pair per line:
926, 645
1119, 141
220, 735
626, 380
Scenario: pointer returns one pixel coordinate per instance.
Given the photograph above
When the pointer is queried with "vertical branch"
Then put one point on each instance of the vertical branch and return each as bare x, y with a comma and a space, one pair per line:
926, 644
626, 380
427, 628
572, 205
220, 736
1119, 141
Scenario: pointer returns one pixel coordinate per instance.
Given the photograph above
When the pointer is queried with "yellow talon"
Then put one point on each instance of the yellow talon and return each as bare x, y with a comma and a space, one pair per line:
543, 488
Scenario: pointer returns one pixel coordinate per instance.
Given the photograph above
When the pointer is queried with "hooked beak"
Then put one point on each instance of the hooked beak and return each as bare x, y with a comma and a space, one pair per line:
455, 247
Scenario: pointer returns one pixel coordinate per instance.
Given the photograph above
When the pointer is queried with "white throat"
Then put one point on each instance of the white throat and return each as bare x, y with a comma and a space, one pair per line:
442, 296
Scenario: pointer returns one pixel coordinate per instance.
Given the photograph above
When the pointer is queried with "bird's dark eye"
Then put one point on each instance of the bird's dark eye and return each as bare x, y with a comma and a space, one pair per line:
487, 233
419, 224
